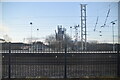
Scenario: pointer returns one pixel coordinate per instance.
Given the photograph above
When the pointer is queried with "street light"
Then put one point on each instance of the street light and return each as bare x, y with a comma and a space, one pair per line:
37, 33
31, 35
36, 41
113, 23
31, 31
71, 31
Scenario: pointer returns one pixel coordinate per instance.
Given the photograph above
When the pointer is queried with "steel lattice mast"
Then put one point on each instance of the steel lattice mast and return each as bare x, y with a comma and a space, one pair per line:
83, 27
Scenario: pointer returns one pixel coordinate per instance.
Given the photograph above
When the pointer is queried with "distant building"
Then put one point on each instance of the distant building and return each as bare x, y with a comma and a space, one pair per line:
60, 33
38, 46
35, 46
14, 46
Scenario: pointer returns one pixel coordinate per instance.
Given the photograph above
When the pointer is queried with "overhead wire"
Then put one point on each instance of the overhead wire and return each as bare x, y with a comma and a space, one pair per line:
96, 23
106, 17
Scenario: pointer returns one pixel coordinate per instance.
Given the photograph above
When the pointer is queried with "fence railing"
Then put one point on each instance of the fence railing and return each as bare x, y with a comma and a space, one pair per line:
60, 64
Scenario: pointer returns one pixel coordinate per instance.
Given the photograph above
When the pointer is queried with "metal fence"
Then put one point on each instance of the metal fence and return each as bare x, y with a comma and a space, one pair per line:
52, 63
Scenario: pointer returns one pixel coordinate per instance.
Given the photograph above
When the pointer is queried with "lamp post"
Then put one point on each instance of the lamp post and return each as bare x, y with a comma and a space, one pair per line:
113, 23
37, 33
36, 41
31, 35
71, 31
31, 31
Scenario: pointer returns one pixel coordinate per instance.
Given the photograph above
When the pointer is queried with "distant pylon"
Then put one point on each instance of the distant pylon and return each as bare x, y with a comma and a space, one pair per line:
83, 28
76, 33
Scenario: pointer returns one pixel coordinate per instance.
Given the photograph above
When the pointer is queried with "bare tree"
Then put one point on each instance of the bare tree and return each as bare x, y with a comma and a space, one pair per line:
58, 45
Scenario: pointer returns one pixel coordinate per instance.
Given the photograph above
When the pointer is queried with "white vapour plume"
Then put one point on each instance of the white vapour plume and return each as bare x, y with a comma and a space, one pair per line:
7, 38
4, 30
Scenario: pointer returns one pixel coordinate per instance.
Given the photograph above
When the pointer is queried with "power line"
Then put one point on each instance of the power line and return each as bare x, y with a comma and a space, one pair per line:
53, 17
96, 23
106, 18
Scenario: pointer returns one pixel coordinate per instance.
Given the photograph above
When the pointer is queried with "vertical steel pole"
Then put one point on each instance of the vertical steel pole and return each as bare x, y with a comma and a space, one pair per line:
81, 30
31, 31
71, 32
31, 37
9, 62
118, 50
85, 29
118, 60
36, 41
65, 61
113, 36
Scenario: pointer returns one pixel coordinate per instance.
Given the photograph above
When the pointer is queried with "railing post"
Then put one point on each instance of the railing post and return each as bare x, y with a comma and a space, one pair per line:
65, 60
118, 60
65, 65
9, 62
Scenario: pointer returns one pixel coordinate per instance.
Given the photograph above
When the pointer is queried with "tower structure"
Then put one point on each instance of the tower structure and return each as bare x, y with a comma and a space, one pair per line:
83, 27
76, 33
60, 33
